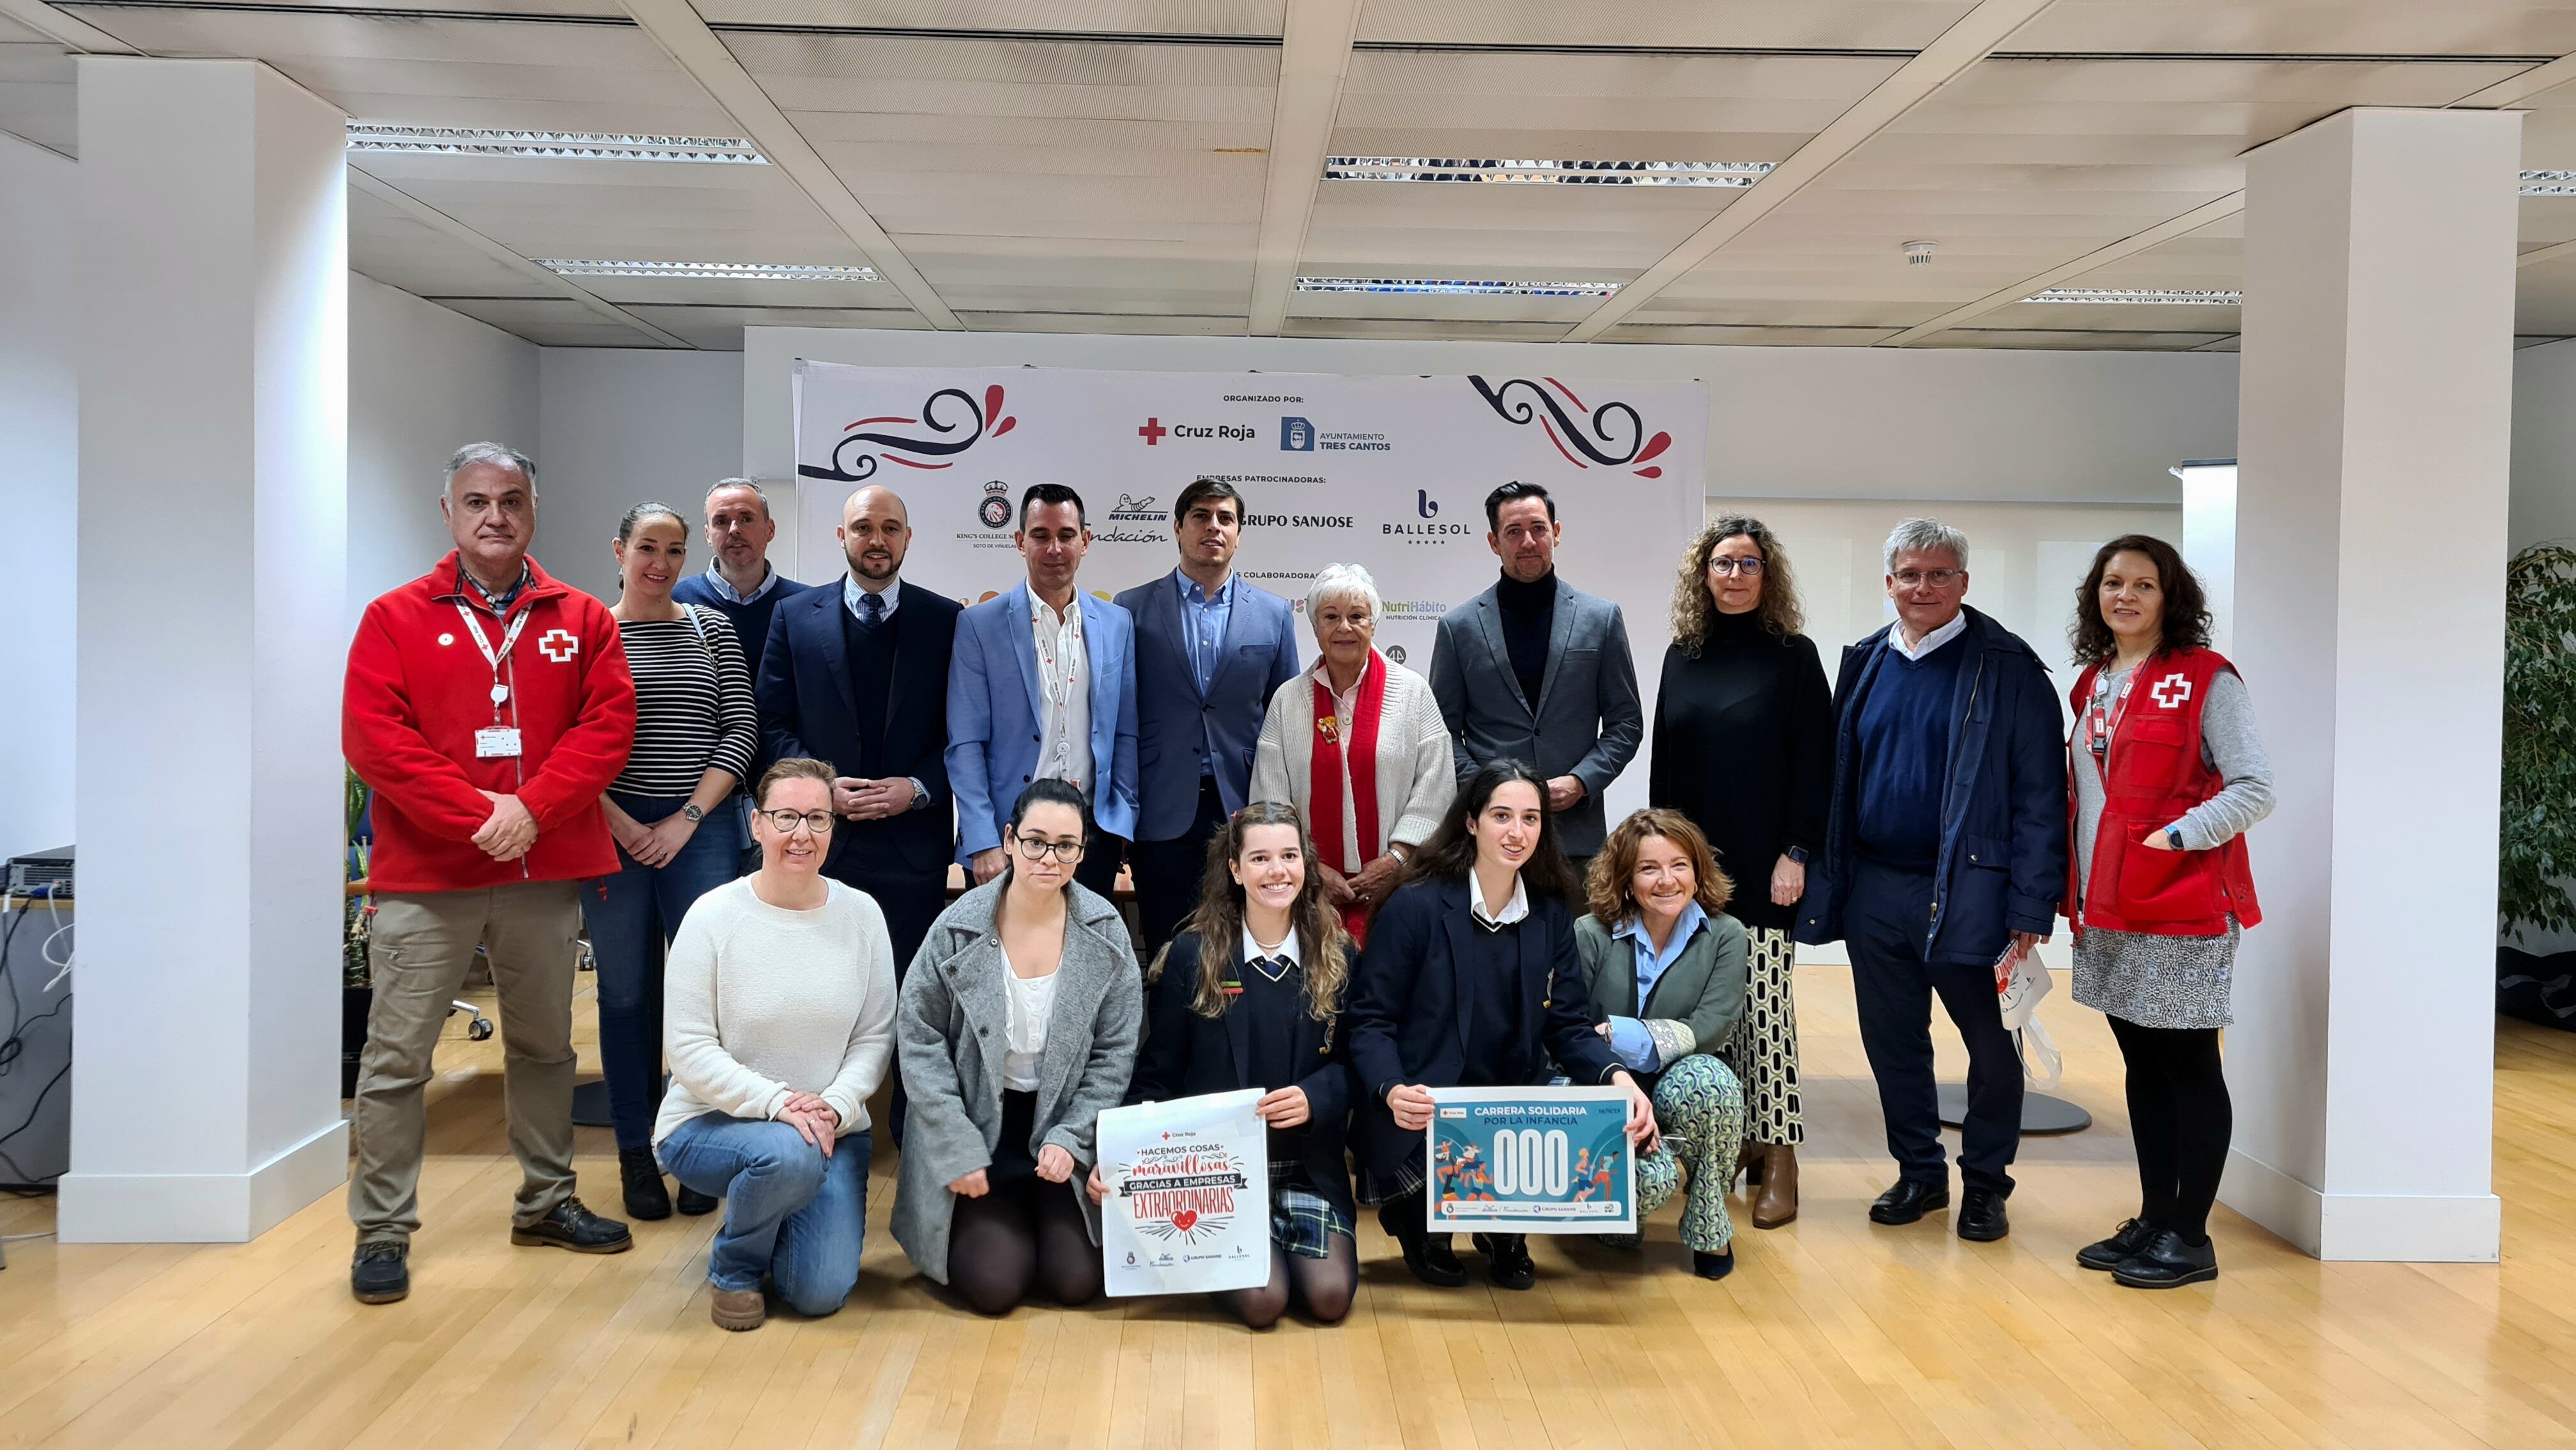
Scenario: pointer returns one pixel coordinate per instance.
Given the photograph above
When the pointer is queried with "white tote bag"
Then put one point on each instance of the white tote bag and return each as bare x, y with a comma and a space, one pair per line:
2018, 992
1188, 1210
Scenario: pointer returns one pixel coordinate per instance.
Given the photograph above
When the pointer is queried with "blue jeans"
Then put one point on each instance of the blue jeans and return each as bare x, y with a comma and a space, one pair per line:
631, 917
790, 1212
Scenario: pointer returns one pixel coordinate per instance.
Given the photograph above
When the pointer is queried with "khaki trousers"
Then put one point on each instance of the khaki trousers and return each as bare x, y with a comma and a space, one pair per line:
420, 948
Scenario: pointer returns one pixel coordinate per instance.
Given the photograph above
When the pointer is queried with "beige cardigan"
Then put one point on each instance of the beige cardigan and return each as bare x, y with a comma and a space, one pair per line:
1416, 776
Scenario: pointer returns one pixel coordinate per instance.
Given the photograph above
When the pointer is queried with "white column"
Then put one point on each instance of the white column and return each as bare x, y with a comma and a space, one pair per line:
2209, 541
212, 540
2374, 434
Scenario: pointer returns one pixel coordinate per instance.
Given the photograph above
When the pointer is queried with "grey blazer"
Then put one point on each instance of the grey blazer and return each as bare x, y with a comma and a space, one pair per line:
951, 1028
1586, 722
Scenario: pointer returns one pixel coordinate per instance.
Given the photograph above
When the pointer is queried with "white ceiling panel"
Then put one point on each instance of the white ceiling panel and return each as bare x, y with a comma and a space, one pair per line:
1415, 327
2305, 27
1164, 325
397, 249
1262, 18
719, 328
548, 322
1838, 24
1563, 311
619, 210
1723, 334
463, 72
2074, 340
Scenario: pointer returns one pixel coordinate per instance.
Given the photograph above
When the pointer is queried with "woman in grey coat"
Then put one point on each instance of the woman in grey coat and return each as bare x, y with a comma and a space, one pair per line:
1664, 971
1017, 1023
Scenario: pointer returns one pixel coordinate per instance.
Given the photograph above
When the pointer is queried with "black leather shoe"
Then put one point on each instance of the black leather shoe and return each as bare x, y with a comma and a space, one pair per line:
2124, 1242
381, 1273
1713, 1266
1982, 1219
2168, 1263
1908, 1201
1432, 1261
1507, 1260
574, 1227
646, 1198
696, 1204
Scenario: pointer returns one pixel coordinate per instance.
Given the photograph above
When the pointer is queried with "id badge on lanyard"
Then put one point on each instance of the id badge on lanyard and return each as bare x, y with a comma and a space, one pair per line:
495, 741
2101, 719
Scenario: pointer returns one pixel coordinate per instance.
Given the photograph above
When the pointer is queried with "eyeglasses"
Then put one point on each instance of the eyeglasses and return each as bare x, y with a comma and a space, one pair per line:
1038, 848
1937, 578
1750, 568
786, 822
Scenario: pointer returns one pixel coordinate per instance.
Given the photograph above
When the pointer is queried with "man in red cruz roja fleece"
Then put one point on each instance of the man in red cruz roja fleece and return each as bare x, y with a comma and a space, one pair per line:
488, 706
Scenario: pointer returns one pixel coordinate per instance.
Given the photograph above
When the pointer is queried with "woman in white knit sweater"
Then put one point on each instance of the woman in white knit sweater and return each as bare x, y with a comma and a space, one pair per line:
1357, 745
779, 1001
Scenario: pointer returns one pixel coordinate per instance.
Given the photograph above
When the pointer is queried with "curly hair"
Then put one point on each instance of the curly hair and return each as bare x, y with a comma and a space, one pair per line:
1450, 854
1605, 887
2186, 617
1691, 603
1323, 947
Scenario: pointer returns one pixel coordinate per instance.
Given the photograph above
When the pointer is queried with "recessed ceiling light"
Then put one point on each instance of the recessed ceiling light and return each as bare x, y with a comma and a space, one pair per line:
2138, 297
711, 271
554, 145
2549, 183
1562, 173
1456, 289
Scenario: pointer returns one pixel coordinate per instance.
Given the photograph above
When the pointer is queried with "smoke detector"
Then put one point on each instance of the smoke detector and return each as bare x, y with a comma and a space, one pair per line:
1918, 253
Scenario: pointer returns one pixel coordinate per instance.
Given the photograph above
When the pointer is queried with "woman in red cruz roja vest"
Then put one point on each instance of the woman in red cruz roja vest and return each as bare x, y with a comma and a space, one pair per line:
2167, 773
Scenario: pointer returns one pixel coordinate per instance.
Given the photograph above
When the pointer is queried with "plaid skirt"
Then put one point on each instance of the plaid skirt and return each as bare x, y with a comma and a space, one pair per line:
1301, 1221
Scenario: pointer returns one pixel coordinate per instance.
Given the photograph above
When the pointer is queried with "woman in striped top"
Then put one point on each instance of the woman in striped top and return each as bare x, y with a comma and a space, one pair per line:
695, 735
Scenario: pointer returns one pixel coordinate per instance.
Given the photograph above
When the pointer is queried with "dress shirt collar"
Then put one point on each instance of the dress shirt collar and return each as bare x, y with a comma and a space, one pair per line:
1957, 626
1192, 593
1288, 949
892, 594
724, 587
471, 590
1513, 910
1687, 925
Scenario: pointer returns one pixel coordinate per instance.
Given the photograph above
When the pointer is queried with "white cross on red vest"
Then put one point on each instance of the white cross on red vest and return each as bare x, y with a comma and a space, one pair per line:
2170, 692
561, 645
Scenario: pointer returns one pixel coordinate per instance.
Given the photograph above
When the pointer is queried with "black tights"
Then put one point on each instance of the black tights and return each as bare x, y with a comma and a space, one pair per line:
2180, 1115
1323, 1285
1017, 1236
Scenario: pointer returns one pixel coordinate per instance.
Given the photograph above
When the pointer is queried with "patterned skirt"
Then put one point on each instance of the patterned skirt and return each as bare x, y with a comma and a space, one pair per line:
1764, 1053
2172, 982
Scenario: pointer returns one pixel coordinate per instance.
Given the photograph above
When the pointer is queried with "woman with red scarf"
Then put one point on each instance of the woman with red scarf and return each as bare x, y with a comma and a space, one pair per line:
1357, 745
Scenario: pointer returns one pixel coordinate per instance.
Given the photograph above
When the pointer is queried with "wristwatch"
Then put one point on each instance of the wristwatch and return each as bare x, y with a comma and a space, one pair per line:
692, 814
1797, 854
2173, 838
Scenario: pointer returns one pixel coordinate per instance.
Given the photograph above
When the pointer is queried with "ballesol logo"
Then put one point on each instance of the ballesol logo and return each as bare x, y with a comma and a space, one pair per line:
1154, 431
1299, 521
1425, 533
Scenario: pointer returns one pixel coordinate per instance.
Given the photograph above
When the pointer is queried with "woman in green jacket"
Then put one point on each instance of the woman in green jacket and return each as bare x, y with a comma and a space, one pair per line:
1664, 967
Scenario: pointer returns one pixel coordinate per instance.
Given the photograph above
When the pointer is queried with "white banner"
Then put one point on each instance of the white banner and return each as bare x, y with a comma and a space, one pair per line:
1189, 1195
1389, 473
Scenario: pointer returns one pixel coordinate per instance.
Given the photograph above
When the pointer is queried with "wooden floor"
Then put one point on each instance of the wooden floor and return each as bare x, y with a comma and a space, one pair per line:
1831, 1332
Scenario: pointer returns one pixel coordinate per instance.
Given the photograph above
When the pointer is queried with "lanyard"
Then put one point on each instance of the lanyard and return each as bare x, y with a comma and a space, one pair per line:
2104, 714
474, 627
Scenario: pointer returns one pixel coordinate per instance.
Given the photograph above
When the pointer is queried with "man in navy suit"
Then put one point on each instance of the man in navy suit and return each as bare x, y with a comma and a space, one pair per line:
1210, 651
858, 676
1043, 686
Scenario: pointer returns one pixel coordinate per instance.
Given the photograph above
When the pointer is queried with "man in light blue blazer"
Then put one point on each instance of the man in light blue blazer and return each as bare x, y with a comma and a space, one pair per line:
1043, 684
1210, 651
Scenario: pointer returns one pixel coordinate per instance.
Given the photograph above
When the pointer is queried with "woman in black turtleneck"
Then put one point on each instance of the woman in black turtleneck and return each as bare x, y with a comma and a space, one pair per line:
1743, 745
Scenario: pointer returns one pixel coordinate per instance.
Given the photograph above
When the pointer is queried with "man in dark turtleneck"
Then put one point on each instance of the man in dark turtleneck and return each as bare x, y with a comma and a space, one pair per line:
1534, 670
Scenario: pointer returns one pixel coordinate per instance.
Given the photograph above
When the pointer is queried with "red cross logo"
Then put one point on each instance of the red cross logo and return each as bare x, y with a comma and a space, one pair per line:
2171, 691
1152, 432
559, 645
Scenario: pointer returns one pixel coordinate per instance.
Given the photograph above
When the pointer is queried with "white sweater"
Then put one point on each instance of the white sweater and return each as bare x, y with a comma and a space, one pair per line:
1416, 775
759, 1001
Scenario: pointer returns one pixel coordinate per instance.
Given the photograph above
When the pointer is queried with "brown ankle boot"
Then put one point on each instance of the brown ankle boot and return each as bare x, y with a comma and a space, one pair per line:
1778, 1202
1748, 1163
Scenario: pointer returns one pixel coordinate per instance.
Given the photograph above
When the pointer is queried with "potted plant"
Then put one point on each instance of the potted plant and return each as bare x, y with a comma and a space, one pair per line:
2536, 839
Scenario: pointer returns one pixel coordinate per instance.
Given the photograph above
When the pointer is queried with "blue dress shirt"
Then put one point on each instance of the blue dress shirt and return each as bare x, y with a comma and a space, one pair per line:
1629, 1040
1203, 621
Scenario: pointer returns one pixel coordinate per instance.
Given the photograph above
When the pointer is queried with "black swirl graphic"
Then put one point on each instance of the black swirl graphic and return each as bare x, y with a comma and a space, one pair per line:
854, 455
1591, 438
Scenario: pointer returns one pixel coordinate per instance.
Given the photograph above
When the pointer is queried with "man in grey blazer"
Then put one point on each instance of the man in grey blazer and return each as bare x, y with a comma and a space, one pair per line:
1536, 670
1211, 649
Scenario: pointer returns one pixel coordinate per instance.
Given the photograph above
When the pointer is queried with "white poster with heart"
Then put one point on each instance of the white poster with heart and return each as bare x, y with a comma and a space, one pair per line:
1188, 1209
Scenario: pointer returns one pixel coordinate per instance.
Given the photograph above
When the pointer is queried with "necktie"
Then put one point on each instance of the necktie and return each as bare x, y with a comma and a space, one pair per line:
871, 610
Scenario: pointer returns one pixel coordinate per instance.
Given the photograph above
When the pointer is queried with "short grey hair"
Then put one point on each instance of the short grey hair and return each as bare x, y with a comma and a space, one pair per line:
757, 492
499, 455
1917, 534
1339, 579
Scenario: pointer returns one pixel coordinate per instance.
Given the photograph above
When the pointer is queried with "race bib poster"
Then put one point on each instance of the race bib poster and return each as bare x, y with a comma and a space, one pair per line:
1188, 1210
1531, 1160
